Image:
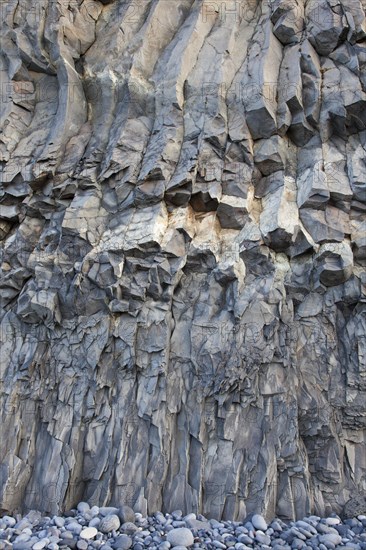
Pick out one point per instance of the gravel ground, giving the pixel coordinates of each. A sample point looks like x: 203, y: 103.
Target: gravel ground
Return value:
x: 109, y: 528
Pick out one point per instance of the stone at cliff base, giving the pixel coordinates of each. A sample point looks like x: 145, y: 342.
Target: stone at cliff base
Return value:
x: 180, y: 537
x: 355, y: 506
x: 259, y: 522
x: 109, y: 523
x: 126, y: 514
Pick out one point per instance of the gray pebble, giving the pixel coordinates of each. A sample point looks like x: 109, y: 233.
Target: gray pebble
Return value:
x: 245, y: 539
x: 126, y: 514
x: 83, y: 507
x: 179, y: 523
x: 298, y: 543
x: 106, y: 510
x: 94, y: 522
x: 180, y: 537
x: 332, y: 521
x: 324, y: 529
x: 259, y: 522
x: 58, y: 521
x: 21, y: 545
x: 330, y: 538
x: 109, y: 523
x: 74, y: 527
x: 123, y: 542
x: 263, y: 538
x: 40, y: 544
x: 24, y: 537
x: 10, y: 522
x: 218, y: 544
x: 129, y: 528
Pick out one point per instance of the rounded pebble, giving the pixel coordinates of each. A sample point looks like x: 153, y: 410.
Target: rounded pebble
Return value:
x: 109, y: 523
x: 259, y: 522
x: 83, y: 507
x: 180, y: 537
x: 88, y: 533
x: 122, y: 542
x: 129, y: 528
x: 126, y: 514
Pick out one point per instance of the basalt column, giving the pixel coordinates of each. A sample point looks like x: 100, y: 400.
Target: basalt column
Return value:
x: 183, y: 249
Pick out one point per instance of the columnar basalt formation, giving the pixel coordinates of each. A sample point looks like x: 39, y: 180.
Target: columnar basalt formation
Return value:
x: 183, y: 255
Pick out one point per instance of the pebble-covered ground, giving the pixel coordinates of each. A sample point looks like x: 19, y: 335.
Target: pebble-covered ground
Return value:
x: 108, y: 528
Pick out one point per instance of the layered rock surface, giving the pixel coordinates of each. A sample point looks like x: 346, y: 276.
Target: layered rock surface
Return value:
x: 183, y: 255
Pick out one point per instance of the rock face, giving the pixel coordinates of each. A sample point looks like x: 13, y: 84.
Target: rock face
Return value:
x: 183, y: 255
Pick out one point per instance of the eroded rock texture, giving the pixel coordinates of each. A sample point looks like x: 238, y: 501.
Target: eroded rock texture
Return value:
x: 183, y: 248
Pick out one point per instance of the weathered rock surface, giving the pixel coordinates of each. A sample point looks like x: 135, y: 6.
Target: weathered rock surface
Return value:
x: 182, y: 226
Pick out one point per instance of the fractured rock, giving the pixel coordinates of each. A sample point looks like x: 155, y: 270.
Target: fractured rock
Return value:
x: 182, y: 226
x: 334, y: 263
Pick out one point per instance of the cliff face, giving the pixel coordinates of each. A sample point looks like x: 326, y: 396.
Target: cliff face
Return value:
x: 183, y: 253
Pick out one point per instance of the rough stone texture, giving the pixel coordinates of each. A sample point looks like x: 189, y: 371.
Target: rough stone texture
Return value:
x: 183, y: 255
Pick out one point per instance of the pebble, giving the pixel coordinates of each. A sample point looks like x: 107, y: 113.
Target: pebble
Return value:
x: 218, y: 544
x: 66, y: 535
x: 129, y: 528
x: 106, y: 510
x: 58, y: 521
x: 263, y: 538
x: 83, y: 507
x: 24, y: 537
x: 88, y: 533
x: 109, y: 523
x: 245, y: 539
x: 180, y: 537
x: 74, y: 527
x: 94, y: 522
x: 330, y: 538
x: 122, y: 542
x: 126, y: 514
x: 324, y: 529
x: 332, y: 521
x: 10, y: 522
x: 259, y: 522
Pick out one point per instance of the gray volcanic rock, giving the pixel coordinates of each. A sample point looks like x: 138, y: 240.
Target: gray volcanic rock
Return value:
x: 182, y: 224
